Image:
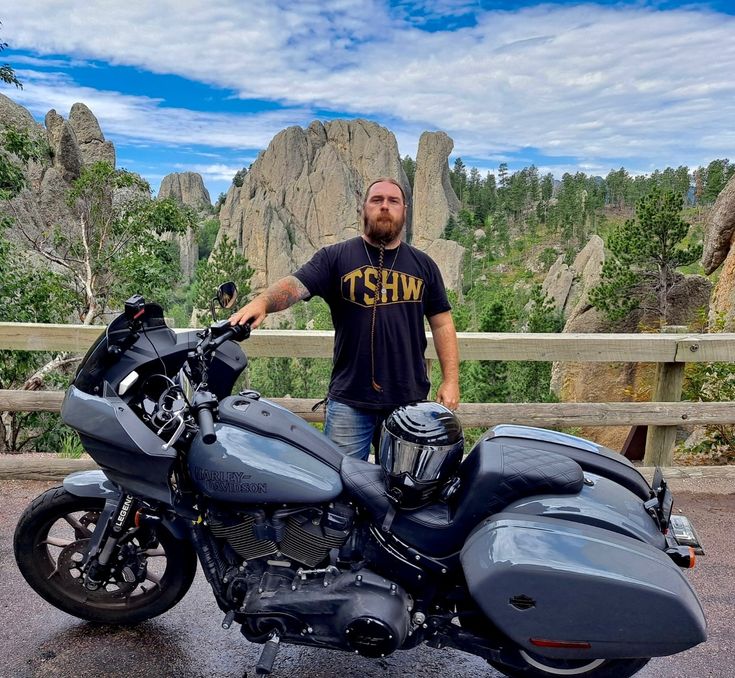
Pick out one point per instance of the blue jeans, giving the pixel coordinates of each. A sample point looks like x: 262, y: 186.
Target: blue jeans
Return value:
x: 352, y: 428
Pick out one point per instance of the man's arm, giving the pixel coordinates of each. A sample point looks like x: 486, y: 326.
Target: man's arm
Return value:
x: 445, y: 343
x: 279, y: 296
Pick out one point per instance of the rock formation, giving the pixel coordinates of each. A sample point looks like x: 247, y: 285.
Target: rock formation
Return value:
x: 65, y: 150
x: 568, y: 286
x: 14, y: 115
x: 187, y: 188
x: 305, y: 191
x: 42, y: 203
x: 92, y: 145
x: 434, y: 202
x: 718, y: 250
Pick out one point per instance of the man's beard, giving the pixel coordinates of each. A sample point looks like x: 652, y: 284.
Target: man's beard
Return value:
x: 383, y: 229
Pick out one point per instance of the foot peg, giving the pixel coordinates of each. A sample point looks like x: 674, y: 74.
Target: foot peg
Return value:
x: 268, y: 656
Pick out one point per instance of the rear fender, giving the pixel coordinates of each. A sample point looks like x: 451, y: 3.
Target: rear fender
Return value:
x: 601, y: 503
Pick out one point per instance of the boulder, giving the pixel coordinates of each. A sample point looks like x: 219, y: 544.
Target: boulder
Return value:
x: 568, y: 286
x: 14, y: 115
x: 448, y: 256
x: 92, y: 145
x: 557, y: 283
x: 719, y: 251
x: 720, y: 229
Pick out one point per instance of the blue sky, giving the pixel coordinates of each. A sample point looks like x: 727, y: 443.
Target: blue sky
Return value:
x: 204, y: 86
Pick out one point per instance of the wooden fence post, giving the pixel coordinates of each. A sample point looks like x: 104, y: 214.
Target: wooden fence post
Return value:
x: 667, y: 388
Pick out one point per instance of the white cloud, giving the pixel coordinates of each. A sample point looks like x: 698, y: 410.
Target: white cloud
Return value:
x: 142, y: 120
x: 598, y: 83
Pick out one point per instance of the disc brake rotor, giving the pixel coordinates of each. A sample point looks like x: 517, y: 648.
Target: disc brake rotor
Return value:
x: 69, y: 565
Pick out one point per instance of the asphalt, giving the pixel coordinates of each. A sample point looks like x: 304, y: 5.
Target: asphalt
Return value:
x: 188, y: 642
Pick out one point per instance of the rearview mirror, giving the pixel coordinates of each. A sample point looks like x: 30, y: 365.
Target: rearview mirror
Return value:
x: 227, y: 294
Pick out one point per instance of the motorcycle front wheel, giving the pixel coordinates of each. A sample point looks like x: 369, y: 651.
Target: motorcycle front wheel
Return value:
x: 51, y: 541
x: 528, y: 665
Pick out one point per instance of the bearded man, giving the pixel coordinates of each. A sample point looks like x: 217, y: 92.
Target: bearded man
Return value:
x: 378, y: 289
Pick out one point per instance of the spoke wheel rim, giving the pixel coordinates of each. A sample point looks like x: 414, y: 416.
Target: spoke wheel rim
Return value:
x: 62, y: 546
x: 557, y: 670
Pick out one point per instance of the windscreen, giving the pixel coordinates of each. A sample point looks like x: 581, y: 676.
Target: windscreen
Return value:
x: 109, y: 347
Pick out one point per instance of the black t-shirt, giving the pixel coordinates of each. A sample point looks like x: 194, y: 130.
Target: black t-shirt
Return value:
x: 345, y: 276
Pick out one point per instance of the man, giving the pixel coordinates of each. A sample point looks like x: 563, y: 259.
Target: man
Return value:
x: 379, y: 289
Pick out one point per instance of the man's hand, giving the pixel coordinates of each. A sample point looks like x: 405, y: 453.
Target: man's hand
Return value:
x: 254, y: 312
x: 448, y: 394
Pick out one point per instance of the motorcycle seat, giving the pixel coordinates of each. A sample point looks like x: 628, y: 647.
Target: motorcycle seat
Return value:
x: 490, y: 479
x: 590, y: 456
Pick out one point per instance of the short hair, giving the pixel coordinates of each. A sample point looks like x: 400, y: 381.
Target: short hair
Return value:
x: 388, y: 180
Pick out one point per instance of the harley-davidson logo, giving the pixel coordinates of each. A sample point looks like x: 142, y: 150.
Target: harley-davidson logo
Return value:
x: 231, y: 482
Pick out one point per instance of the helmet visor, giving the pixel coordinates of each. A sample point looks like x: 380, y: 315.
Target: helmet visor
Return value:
x: 420, y: 462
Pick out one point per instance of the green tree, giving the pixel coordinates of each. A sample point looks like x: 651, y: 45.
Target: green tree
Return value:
x: 458, y: 178
x: 715, y: 177
x: 644, y: 255
x: 239, y: 178
x: 113, y: 245
x: 409, y: 167
x: 7, y: 74
x: 207, y: 237
x: 226, y: 263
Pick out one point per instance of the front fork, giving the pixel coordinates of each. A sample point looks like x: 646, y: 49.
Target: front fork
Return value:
x: 114, y: 521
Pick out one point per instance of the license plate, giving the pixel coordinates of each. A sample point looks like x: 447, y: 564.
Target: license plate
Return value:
x: 685, y: 534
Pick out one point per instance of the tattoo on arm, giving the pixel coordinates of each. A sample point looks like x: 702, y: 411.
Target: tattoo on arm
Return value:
x: 284, y: 293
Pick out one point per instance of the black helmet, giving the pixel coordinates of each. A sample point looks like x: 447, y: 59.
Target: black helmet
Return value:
x: 421, y: 447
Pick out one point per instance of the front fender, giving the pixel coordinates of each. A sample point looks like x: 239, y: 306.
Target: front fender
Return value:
x: 91, y: 484
x: 97, y: 484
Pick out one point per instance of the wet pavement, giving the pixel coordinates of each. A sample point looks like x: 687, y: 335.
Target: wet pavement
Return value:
x: 188, y: 642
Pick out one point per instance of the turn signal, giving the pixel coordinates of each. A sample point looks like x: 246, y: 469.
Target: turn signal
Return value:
x: 683, y: 556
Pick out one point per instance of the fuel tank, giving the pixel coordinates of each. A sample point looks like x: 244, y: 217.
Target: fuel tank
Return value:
x: 254, y: 461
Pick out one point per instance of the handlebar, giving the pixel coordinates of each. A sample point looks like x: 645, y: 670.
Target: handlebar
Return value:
x: 222, y: 331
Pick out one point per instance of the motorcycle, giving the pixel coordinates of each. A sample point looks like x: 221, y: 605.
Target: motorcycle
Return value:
x: 541, y: 552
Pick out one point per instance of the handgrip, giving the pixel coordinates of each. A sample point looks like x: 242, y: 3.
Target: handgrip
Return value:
x: 205, y: 403
x: 206, y: 426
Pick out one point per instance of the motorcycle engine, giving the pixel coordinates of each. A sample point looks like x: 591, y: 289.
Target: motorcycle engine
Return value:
x: 305, y: 536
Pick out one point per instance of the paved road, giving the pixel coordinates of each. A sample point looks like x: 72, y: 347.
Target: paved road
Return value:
x: 187, y: 642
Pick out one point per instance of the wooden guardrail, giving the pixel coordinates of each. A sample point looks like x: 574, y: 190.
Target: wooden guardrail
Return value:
x: 670, y: 351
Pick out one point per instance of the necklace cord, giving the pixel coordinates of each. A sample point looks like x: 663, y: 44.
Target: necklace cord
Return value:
x: 378, y: 290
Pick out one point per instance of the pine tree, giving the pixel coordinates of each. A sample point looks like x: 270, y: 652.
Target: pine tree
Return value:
x: 644, y: 255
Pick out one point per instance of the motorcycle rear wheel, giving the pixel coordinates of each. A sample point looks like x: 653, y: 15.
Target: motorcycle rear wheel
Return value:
x: 51, y: 540
x: 536, y: 666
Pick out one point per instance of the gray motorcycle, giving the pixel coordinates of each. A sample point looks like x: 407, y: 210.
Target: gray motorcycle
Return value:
x: 541, y: 552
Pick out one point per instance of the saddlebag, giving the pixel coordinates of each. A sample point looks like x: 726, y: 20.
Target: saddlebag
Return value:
x: 576, y: 591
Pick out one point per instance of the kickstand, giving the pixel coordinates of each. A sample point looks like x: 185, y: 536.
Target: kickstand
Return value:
x: 268, y: 656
